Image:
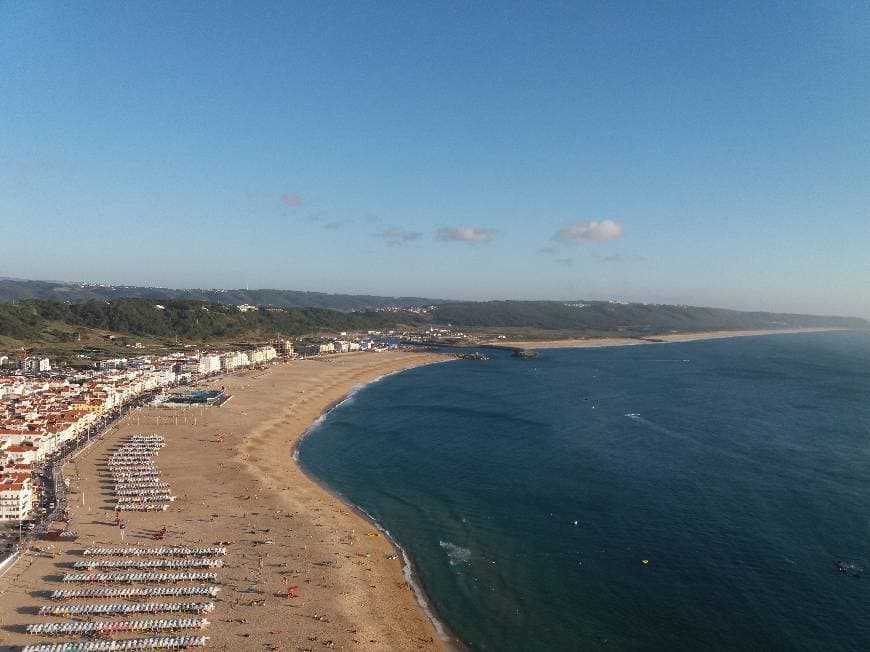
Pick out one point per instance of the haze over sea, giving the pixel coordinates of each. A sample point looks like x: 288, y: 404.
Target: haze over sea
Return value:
x: 528, y: 492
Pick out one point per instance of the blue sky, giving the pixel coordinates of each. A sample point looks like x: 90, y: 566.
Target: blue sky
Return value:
x: 686, y: 152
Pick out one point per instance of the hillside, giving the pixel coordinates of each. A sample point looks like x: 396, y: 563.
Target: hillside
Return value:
x: 59, y: 323
x: 602, y: 317
x: 25, y: 290
x: 192, y: 321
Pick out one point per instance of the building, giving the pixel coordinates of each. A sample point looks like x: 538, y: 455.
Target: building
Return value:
x: 307, y: 350
x: 234, y: 360
x: 20, y: 454
x: 114, y: 363
x: 262, y: 354
x: 269, y: 352
x: 209, y: 364
x: 16, y: 496
x: 35, y: 365
x: 284, y: 348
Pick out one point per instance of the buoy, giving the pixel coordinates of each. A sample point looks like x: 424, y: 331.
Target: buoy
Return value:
x: 576, y: 523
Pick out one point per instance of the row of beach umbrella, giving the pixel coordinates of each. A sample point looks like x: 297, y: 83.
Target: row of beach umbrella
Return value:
x: 144, y: 465
x: 125, y: 478
x: 150, y: 643
x: 126, y: 608
x: 139, y: 484
x: 157, y: 551
x: 143, y: 507
x: 145, y: 498
x: 142, y: 491
x: 159, y: 578
x: 108, y: 626
x: 91, y: 564
x: 137, y: 592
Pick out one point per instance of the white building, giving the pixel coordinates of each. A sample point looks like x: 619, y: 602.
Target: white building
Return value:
x: 209, y: 364
x: 16, y: 496
x: 234, y: 360
x: 20, y: 454
x: 262, y: 354
x: 35, y: 365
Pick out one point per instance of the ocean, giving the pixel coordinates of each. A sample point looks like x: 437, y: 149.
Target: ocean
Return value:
x: 683, y: 496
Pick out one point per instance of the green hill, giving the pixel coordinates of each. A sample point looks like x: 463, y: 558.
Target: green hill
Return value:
x: 25, y: 290
x: 36, y: 321
x: 631, y: 318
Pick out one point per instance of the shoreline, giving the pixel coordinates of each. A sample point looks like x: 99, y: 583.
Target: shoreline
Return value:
x: 652, y: 339
x: 452, y: 642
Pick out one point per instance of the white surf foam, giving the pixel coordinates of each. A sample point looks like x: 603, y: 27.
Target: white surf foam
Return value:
x: 456, y: 554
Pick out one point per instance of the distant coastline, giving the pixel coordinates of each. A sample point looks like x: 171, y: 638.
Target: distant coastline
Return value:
x: 652, y: 339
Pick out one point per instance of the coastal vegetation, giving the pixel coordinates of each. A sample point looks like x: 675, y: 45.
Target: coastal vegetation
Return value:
x: 111, y: 325
x: 187, y: 319
x: 609, y: 317
x: 27, y: 290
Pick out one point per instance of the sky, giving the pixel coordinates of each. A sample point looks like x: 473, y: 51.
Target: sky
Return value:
x: 706, y: 153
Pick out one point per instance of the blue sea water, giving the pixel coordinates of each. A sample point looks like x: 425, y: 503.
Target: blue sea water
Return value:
x: 529, y: 492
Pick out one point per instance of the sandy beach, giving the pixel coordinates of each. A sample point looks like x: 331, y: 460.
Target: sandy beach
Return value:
x: 653, y: 339
x: 232, y: 471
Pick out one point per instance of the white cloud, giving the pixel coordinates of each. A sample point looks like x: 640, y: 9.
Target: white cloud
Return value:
x: 464, y: 234
x: 395, y: 236
x: 617, y: 258
x: 594, y: 231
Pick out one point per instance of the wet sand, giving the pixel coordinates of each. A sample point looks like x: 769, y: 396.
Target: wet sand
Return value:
x: 285, y: 529
x: 652, y: 339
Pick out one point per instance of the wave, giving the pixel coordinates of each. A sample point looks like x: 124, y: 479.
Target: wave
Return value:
x: 456, y: 554
x: 344, y: 400
x: 408, y: 572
